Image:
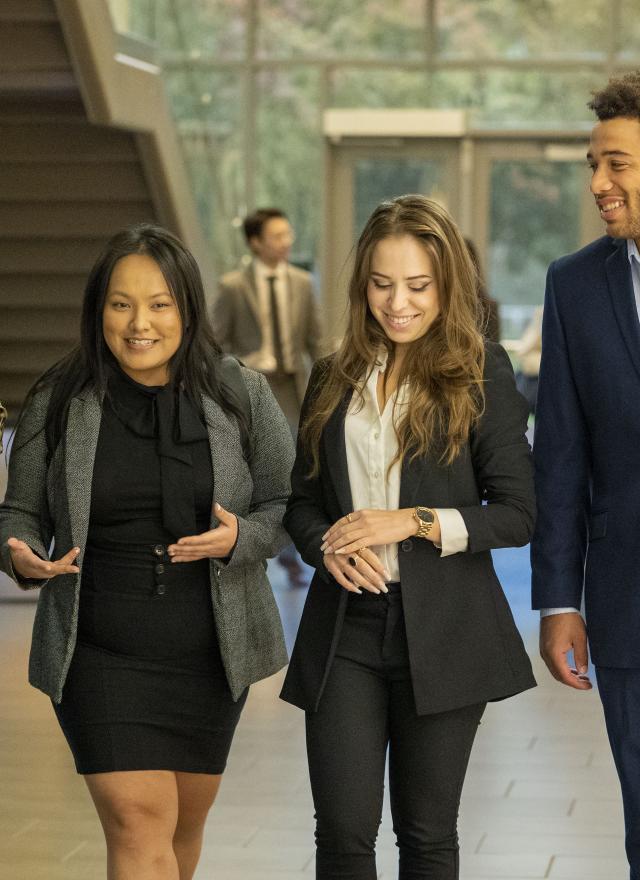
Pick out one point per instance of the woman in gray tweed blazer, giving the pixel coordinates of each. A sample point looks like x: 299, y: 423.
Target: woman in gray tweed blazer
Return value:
x: 147, y: 483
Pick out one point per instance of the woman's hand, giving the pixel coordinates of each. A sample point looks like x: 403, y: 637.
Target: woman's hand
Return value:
x: 372, y: 528
x: 367, y: 573
x: 216, y: 543
x: 31, y: 567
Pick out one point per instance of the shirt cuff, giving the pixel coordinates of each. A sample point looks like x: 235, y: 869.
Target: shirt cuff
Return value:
x: 454, y: 537
x: 547, y: 612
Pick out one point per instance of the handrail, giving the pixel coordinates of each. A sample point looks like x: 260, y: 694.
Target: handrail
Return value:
x: 125, y: 92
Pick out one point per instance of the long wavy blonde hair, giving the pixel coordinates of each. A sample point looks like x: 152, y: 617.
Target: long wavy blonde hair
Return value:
x: 443, y: 368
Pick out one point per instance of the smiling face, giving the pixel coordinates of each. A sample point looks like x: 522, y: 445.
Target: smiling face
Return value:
x: 140, y: 320
x: 614, y: 158
x: 402, y: 292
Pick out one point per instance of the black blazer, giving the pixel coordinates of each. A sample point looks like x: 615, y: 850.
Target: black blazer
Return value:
x: 464, y: 647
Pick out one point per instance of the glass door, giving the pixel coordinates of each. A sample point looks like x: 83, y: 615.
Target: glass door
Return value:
x: 360, y: 176
x: 532, y: 204
x: 524, y: 201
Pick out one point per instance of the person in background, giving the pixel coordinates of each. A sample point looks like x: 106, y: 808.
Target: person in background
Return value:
x: 267, y: 315
x: 406, y: 633
x: 490, y: 306
x: 160, y: 471
x: 529, y: 352
x: 587, y: 437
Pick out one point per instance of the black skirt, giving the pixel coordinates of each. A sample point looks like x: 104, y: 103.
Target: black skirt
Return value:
x: 146, y: 689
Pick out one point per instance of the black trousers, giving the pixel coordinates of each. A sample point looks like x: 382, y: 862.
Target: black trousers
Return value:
x: 620, y: 695
x: 368, y: 706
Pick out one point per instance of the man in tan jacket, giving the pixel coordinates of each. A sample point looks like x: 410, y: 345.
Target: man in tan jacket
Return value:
x: 267, y: 314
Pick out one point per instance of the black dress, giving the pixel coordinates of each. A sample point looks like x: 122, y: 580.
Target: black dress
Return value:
x: 146, y: 689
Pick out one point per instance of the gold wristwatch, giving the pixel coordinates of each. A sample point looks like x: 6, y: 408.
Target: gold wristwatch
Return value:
x: 425, y: 517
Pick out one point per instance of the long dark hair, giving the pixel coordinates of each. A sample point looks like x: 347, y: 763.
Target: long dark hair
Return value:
x: 193, y: 366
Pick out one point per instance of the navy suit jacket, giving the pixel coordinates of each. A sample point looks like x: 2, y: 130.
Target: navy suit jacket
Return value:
x: 587, y: 450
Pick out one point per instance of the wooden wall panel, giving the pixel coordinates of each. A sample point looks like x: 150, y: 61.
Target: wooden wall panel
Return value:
x: 43, y: 324
x: 38, y: 257
x: 28, y: 10
x: 41, y: 356
x: 60, y: 221
x: 36, y: 291
x: 32, y: 46
x: 67, y: 141
x: 70, y: 182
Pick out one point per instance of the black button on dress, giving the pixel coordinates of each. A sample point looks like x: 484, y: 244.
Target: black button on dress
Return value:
x: 146, y: 688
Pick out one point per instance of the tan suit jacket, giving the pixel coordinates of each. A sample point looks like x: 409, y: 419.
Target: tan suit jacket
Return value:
x: 236, y: 320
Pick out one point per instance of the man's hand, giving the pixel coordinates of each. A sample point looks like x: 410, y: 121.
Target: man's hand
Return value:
x: 559, y: 634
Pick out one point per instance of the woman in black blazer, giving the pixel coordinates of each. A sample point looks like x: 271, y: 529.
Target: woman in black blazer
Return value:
x: 406, y: 633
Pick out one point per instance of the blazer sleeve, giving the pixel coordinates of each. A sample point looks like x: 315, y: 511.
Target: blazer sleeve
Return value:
x: 260, y: 533
x: 562, y: 456
x: 502, y: 465
x: 24, y: 513
x: 306, y: 519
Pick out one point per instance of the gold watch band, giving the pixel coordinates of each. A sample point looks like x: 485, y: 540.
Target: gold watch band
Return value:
x: 424, y: 528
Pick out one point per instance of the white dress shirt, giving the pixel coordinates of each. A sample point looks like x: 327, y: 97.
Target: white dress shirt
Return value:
x: 265, y: 359
x: 371, y: 447
x: 634, y: 261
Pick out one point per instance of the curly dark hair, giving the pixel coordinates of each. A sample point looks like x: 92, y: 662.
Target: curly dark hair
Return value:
x: 620, y: 97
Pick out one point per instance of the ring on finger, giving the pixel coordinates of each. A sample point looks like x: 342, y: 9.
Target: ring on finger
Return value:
x: 349, y: 515
x: 353, y: 560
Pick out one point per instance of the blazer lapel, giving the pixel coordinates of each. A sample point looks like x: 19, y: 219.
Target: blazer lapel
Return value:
x: 335, y: 447
x: 624, y: 305
x: 81, y: 440
x: 224, y: 442
x: 250, y: 291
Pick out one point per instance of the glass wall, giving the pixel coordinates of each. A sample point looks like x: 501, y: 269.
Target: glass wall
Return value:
x: 249, y: 80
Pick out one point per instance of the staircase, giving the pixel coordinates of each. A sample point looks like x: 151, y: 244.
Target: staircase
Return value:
x: 87, y: 146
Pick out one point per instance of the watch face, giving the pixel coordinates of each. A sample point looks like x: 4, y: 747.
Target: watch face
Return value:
x: 425, y: 514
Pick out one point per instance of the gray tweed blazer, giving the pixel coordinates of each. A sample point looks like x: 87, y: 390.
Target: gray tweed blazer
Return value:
x: 52, y: 504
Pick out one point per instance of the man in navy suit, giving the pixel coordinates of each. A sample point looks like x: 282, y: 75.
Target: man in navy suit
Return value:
x: 587, y: 449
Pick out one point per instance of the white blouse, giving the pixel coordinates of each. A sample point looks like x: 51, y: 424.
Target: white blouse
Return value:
x: 371, y: 446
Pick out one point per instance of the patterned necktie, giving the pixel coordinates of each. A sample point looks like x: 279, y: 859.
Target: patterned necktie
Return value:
x: 275, y: 324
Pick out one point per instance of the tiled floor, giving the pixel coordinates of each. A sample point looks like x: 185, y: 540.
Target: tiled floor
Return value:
x: 541, y: 797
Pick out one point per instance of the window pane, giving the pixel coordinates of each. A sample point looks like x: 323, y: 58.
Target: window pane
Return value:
x: 378, y: 179
x: 522, y: 28
x: 379, y: 88
x: 201, y: 28
x: 535, y: 218
x: 136, y: 18
x: 289, y: 153
x: 518, y: 99
x: 207, y: 110
x: 629, y: 36
x: 353, y: 28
